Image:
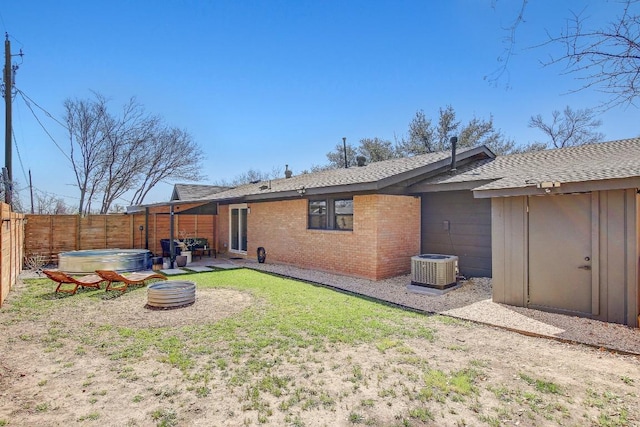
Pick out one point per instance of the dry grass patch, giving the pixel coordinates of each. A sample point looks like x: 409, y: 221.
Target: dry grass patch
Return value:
x: 260, y: 350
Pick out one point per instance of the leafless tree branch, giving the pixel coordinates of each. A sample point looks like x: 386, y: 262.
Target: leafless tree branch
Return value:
x: 569, y: 128
x: 131, y: 151
x: 606, y: 59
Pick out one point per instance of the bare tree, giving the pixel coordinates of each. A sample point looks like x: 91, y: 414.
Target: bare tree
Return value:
x: 170, y: 154
x: 252, y: 175
x: 132, y: 151
x: 527, y: 148
x: 126, y: 138
x: 316, y: 168
x: 607, y: 58
x: 509, y: 41
x: 16, y: 201
x: 569, y: 128
x: 51, y: 205
x: 84, y: 119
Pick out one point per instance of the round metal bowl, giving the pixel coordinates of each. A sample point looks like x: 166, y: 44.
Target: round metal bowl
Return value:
x: 171, y: 294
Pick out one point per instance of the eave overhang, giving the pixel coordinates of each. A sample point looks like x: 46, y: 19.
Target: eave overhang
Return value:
x: 562, y: 188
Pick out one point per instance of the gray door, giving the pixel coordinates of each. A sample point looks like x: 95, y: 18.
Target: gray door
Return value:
x: 454, y: 223
x: 560, y: 252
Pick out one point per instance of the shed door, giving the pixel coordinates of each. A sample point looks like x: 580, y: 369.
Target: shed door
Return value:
x: 560, y: 252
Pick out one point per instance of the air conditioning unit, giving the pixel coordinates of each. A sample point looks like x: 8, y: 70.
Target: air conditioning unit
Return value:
x: 434, y: 270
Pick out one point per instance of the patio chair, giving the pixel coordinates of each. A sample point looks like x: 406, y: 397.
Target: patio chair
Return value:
x: 111, y: 276
x: 61, y: 278
x: 165, y: 244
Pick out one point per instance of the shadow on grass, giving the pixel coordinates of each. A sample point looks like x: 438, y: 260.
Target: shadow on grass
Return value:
x: 100, y: 294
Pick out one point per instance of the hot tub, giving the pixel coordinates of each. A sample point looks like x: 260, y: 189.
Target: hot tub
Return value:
x: 120, y: 260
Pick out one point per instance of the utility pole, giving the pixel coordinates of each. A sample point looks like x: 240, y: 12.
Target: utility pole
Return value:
x: 31, y: 190
x: 8, y: 83
x: 8, y: 76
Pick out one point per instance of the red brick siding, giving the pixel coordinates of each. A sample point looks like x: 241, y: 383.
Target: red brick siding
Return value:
x: 223, y: 229
x: 398, y: 234
x: 386, y: 234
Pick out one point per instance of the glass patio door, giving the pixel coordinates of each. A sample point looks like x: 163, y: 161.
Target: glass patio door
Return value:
x: 238, y: 228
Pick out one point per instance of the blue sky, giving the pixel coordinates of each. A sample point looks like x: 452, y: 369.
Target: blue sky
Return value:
x: 261, y: 84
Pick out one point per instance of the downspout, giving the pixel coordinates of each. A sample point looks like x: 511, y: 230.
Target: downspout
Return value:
x: 146, y: 227
x: 172, y: 245
x: 217, y: 224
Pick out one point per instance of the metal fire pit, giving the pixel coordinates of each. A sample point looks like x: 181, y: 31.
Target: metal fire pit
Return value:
x: 171, y: 294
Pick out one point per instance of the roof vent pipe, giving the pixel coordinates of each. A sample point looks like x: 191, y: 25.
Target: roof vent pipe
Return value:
x: 361, y: 160
x: 344, y: 146
x: 454, y: 143
x: 287, y: 172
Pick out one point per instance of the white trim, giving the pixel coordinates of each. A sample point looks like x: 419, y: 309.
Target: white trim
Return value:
x: 240, y: 236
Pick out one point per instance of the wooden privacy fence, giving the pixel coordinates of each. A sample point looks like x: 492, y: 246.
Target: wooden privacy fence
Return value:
x: 11, y: 249
x: 48, y: 235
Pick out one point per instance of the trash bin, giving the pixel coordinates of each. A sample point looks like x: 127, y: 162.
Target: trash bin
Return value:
x: 262, y: 255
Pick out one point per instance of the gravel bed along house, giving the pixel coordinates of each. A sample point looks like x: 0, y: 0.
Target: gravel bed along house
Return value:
x: 472, y: 301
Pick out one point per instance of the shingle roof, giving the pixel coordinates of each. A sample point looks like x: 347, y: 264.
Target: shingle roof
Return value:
x: 195, y: 191
x: 373, y: 176
x: 592, y: 162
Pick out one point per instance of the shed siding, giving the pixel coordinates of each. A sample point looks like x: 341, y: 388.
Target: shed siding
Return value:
x: 616, y: 271
x: 632, y: 261
x: 509, y: 225
x: 612, y: 260
x: 469, y: 234
x: 633, y: 258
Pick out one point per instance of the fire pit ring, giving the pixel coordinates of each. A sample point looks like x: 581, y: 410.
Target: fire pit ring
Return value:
x: 171, y: 294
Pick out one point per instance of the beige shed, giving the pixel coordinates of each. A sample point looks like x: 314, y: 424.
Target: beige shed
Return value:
x: 566, y: 231
x: 565, y: 228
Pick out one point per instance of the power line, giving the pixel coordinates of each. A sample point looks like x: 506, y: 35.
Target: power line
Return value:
x: 42, y: 125
x: 24, y: 95
x: 29, y: 101
x: 15, y: 142
x: 49, y: 193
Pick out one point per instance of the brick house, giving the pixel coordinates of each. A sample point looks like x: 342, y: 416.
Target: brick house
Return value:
x: 557, y: 230
x: 362, y: 221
